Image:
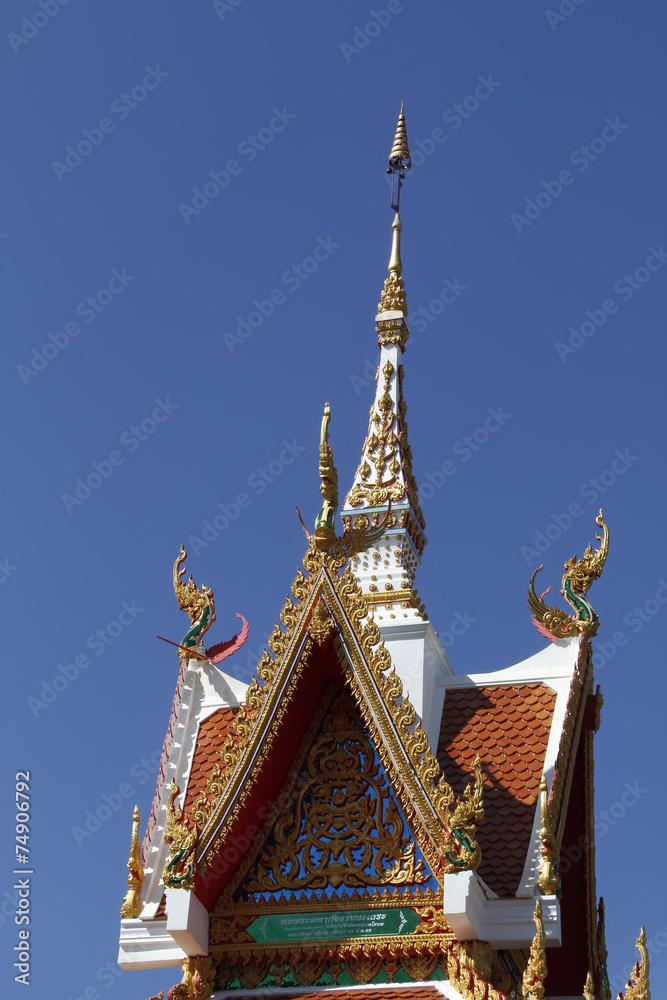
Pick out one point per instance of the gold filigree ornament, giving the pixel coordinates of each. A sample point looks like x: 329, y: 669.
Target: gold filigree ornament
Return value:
x: 589, y: 989
x: 460, y: 819
x: 131, y: 907
x: 179, y: 871
x: 198, y: 979
x: 638, y: 987
x: 579, y: 574
x: 548, y: 880
x: 342, y: 827
x: 536, y: 970
x: 199, y: 606
x: 467, y: 981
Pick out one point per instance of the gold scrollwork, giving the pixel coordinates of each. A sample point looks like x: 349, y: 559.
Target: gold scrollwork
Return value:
x: 198, y: 979
x: 460, y: 818
x: 180, y: 869
x: 548, y: 879
x: 342, y: 827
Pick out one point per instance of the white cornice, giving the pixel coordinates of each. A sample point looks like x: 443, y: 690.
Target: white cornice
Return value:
x: 474, y: 915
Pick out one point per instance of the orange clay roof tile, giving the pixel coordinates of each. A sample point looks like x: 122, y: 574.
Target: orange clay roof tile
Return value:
x: 212, y: 735
x: 509, y: 727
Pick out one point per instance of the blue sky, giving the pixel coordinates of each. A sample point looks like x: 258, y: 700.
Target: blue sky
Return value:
x: 540, y: 199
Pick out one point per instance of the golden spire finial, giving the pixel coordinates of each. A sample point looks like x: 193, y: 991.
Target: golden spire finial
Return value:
x: 399, y: 159
x: 132, y: 902
x: 536, y: 970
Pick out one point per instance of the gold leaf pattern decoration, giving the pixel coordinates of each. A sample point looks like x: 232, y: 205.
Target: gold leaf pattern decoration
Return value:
x: 342, y: 825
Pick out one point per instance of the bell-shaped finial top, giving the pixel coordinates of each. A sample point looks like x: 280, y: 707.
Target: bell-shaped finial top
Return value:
x: 399, y: 157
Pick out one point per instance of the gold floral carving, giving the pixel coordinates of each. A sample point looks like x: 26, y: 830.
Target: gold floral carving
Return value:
x: 342, y: 827
x: 321, y: 624
x: 589, y: 989
x: 132, y: 902
x: 536, y: 970
x: 475, y: 955
x: 179, y: 871
x: 578, y: 576
x: 467, y: 981
x: 638, y: 987
x: 201, y: 810
x: 198, y: 979
x: 548, y: 879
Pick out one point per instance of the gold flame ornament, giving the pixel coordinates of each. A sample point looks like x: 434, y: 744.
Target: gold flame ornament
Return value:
x: 579, y: 574
x: 536, y: 970
x: 638, y: 987
x: 131, y: 907
x: 548, y: 881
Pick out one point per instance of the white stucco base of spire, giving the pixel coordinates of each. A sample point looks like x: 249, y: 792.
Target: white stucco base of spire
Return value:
x: 422, y: 665
x: 475, y: 914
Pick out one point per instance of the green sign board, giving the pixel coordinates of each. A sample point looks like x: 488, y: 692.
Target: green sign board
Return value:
x: 324, y: 926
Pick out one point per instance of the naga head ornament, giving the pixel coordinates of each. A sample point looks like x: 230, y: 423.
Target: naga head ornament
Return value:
x: 579, y: 574
x: 198, y: 604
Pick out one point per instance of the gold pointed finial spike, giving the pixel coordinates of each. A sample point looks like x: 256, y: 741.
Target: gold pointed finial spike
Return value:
x: 638, y: 987
x: 395, y: 264
x: 131, y: 907
x: 400, y: 153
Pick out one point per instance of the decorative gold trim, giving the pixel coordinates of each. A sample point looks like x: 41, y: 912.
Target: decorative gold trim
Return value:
x: 536, y: 970
x: 198, y: 979
x: 548, y: 880
x: 179, y: 871
x: 425, y: 797
x: 577, y: 578
x: 589, y: 990
x: 467, y: 981
x: 131, y: 907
